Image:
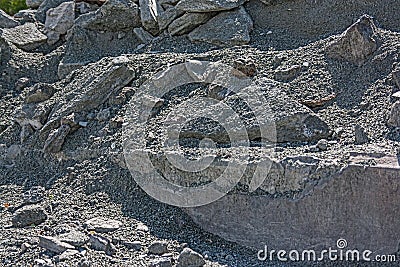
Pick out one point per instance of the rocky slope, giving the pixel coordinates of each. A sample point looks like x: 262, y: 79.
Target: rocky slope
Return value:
x: 73, y: 74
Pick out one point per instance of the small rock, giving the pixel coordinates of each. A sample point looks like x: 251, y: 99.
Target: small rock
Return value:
x: 322, y: 144
x: 188, y: 22
x: 24, y: 247
x: 59, y: 20
x: 84, y: 263
x: 188, y: 257
x: 21, y: 83
x: 287, y: 74
x: 103, y: 225
x: 28, y: 215
x: 6, y: 21
x: 83, y: 123
x: 27, y: 36
x: 56, y: 139
x: 33, y: 3
x: 394, y: 116
x: 158, y: 248
x: 142, y: 227
x: 135, y: 245
x: 361, y: 136
x: 357, y: 43
x: 74, y: 238
x: 44, y: 263
x: 161, y: 262
x: 26, y: 131
x: 228, y: 28
x: 396, y: 95
x: 244, y: 67
x: 102, y: 244
x: 68, y: 254
x: 103, y: 115
x: 54, y: 244
x: 208, y: 5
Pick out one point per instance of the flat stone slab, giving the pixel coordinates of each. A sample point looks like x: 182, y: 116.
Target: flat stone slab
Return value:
x: 27, y: 36
x: 103, y: 225
x: 361, y: 205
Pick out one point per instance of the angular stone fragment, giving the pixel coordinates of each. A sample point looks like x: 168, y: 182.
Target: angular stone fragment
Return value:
x: 59, y: 20
x: 56, y: 139
x: 357, y: 43
x: 168, y: 16
x: 54, y: 244
x: 143, y: 35
x: 149, y: 12
x: 27, y: 36
x: 102, y: 244
x: 28, y: 215
x: 188, y: 22
x: 208, y: 5
x: 188, y: 257
x: 394, y: 116
x: 158, y: 248
x: 6, y: 21
x: 228, y: 28
x: 360, y: 136
x: 74, y: 238
x: 103, y: 225
x: 45, y: 6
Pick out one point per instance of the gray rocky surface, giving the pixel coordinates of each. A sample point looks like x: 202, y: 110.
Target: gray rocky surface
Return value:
x: 226, y: 29
x: 6, y: 21
x: 26, y: 37
x: 323, y: 180
x: 208, y: 5
x: 59, y: 20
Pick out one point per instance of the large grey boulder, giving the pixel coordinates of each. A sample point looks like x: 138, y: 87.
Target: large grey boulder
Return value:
x: 208, y: 5
x: 188, y: 22
x: 59, y: 20
x: 26, y: 36
x: 7, y: 21
x: 109, y: 31
x: 357, y: 43
x: 225, y: 29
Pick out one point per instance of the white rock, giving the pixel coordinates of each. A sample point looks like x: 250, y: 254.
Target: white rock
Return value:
x: 103, y: 225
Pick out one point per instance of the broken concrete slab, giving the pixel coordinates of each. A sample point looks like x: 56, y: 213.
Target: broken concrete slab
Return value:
x: 357, y: 43
x: 347, y: 205
x: 26, y: 36
x: 228, y: 28
x: 208, y: 5
x: 188, y: 22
